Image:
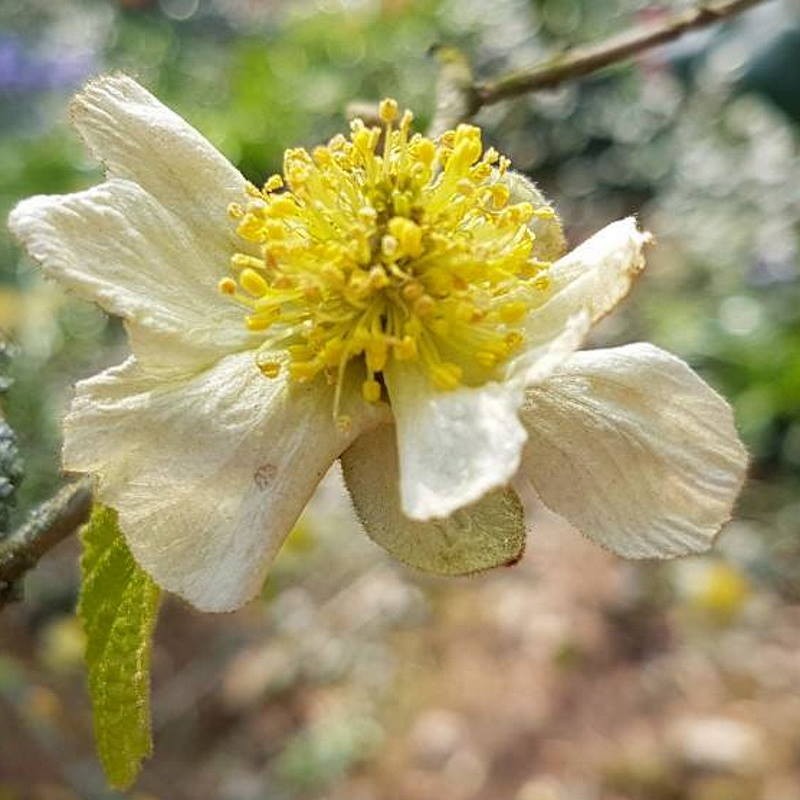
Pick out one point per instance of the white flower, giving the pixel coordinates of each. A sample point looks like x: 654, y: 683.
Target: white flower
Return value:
x: 402, y: 313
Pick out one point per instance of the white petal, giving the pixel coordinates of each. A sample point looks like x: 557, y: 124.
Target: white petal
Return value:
x: 589, y: 280
x: 453, y: 446
x: 209, y: 475
x: 540, y: 362
x: 115, y: 244
x: 635, y: 450
x: 139, y: 138
x: 488, y: 533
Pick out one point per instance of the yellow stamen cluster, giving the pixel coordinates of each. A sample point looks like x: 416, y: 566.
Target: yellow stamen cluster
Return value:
x: 388, y: 245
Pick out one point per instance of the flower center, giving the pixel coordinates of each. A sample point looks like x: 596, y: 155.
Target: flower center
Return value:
x: 388, y: 246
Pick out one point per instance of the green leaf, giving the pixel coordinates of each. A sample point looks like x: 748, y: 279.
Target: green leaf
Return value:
x: 486, y: 534
x: 118, y: 607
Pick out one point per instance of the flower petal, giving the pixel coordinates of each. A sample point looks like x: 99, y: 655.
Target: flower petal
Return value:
x: 139, y: 138
x: 453, y: 446
x: 589, y: 280
x: 488, y: 533
x: 208, y: 475
x: 635, y: 450
x: 115, y: 244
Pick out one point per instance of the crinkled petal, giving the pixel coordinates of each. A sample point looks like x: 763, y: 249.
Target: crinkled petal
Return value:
x: 208, y: 475
x: 485, y: 534
x: 589, y: 280
x: 137, y: 137
x: 116, y: 245
x: 635, y: 450
x: 453, y: 446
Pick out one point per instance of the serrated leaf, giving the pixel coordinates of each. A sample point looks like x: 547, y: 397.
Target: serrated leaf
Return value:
x: 118, y: 607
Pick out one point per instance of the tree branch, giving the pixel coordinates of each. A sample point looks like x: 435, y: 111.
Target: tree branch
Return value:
x: 585, y: 60
x: 53, y: 521
x: 458, y: 97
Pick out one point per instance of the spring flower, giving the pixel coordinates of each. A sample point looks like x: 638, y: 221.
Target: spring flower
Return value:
x: 402, y: 303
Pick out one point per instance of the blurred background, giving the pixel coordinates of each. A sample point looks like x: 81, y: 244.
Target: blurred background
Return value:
x: 572, y: 676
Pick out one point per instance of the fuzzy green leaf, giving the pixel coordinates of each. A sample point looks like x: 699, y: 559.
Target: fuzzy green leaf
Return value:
x: 118, y: 607
x: 486, y: 534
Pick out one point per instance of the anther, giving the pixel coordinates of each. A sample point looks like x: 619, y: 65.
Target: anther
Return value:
x: 378, y: 278
x: 424, y: 305
x: 387, y: 110
x: 401, y: 203
x: 424, y: 150
x: 272, y: 183
x: 258, y: 322
x: 413, y: 290
x: 514, y: 339
x: 270, y: 369
x: 239, y: 261
x: 227, y: 286
x: 446, y: 376
x: 500, y: 195
x: 253, y: 283
x: 371, y: 391
x: 322, y: 156
x: 408, y: 236
x: 512, y: 312
x: 466, y: 187
x: 405, y: 349
x: 303, y: 371
x: 389, y: 246
x: 406, y: 120
x: 377, y: 353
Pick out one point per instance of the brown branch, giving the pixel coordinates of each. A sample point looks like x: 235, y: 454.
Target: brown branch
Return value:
x: 50, y: 523
x: 459, y: 97
x: 585, y: 60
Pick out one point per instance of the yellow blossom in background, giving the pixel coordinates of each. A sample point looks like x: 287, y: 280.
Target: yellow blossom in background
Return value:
x: 714, y: 591
x: 405, y: 304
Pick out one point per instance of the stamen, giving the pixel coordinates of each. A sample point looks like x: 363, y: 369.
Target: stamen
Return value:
x: 270, y: 369
x: 227, y: 286
x: 414, y: 252
x: 371, y: 390
x: 387, y: 110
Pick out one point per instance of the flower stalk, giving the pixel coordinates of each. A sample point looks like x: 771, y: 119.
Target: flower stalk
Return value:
x: 50, y: 523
